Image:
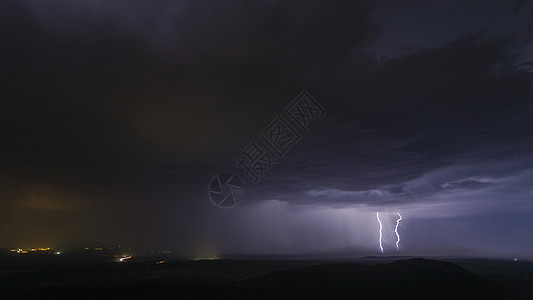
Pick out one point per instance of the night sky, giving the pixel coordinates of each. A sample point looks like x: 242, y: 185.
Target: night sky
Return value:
x: 117, y: 114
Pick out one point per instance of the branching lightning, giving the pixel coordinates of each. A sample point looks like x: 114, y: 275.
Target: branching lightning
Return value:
x: 380, y: 232
x: 396, y: 231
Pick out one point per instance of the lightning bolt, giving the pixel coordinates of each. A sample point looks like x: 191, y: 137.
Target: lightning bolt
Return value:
x: 396, y: 231
x: 380, y: 232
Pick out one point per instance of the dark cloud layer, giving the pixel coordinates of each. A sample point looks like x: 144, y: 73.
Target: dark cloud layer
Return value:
x: 116, y: 115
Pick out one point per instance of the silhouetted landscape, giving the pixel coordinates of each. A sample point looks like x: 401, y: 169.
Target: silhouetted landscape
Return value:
x: 365, y: 278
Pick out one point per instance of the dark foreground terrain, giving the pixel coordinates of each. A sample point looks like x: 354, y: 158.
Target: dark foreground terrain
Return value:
x: 415, y: 278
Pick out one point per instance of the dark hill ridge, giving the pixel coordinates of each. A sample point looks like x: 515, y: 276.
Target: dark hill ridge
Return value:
x: 257, y: 279
x: 414, y: 279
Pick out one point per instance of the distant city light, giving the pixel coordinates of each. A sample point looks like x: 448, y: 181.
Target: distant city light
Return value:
x: 28, y: 250
x: 205, y: 258
x: 125, y: 258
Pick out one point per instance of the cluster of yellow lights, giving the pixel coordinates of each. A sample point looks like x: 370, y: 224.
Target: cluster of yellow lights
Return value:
x: 105, y: 248
x: 24, y: 251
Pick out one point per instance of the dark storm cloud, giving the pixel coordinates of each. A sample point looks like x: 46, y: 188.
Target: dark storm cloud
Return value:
x: 415, y: 25
x: 458, y: 105
x: 520, y: 4
x: 143, y: 98
x: 135, y: 106
x: 109, y: 55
